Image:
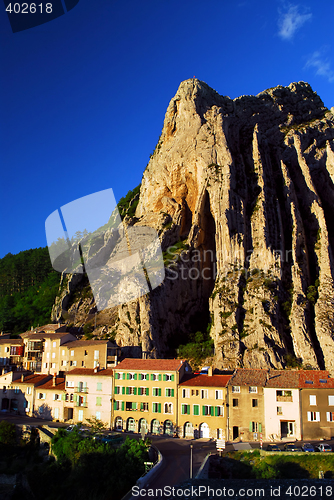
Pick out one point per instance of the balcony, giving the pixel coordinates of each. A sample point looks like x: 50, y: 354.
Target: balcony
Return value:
x: 284, y: 398
x: 81, y: 389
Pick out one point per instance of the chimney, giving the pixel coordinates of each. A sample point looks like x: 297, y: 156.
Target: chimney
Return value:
x: 22, y: 378
x: 54, y: 380
x: 210, y: 371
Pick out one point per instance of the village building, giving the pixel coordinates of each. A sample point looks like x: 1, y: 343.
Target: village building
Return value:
x: 282, y: 405
x: 317, y: 404
x: 89, y: 395
x: 145, y: 395
x: 11, y: 354
x: 17, y: 391
x: 90, y: 354
x: 245, y: 418
x: 202, y: 407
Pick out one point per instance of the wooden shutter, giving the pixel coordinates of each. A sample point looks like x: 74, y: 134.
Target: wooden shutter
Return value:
x: 147, y: 390
x: 128, y: 376
x: 115, y: 405
x: 159, y: 392
x: 172, y: 377
x: 160, y: 377
x: 134, y: 406
x: 152, y: 376
x: 212, y: 410
x: 123, y: 389
x: 172, y: 393
x: 260, y: 427
x: 164, y: 377
x: 216, y: 411
x: 128, y: 390
x: 203, y: 410
x: 188, y: 409
x: 135, y: 376
x: 250, y: 426
x: 159, y: 407
x: 135, y: 391
x: 123, y: 404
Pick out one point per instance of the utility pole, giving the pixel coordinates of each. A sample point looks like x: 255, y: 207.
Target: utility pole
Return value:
x: 191, y: 461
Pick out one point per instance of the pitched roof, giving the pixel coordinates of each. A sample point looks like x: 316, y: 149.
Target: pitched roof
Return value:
x: 243, y: 376
x: 50, y: 327
x: 60, y: 384
x: 42, y: 335
x: 150, y: 364
x: 283, y: 378
x: 11, y: 341
x: 90, y: 371
x: 85, y: 343
x: 33, y: 379
x: 205, y: 380
x: 315, y: 376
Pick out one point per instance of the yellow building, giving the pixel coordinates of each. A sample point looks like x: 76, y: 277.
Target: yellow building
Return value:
x: 202, y: 406
x: 145, y: 394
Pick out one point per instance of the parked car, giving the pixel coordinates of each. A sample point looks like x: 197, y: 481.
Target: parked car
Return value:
x: 323, y: 447
x: 290, y: 447
x: 273, y: 447
x: 307, y: 447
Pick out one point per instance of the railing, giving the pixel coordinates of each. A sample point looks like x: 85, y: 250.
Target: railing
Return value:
x: 284, y: 398
x: 81, y: 389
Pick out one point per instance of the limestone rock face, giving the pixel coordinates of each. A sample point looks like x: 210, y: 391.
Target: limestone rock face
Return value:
x: 243, y: 192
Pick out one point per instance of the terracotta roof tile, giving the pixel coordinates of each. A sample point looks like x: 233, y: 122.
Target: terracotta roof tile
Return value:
x: 205, y: 380
x: 90, y: 371
x: 150, y: 364
x: 47, y: 335
x: 33, y: 379
x: 60, y: 384
x: 11, y: 341
x: 314, y: 376
x: 283, y: 378
x: 244, y: 376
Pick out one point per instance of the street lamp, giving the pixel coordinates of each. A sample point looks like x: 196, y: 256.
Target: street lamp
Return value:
x: 191, y: 461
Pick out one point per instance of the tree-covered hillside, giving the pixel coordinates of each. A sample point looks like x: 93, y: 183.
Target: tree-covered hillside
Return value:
x: 28, y: 287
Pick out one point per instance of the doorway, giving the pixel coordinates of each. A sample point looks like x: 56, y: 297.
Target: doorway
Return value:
x: 235, y: 432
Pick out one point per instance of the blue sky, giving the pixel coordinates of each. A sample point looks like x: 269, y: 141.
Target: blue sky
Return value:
x: 83, y: 97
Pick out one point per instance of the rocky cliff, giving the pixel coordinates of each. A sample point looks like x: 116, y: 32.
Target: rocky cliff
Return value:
x: 241, y: 193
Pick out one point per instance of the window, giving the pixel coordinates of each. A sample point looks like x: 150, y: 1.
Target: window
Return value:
x: 69, y: 383
x: 235, y: 403
x: 28, y: 390
x: 168, y: 408
x: 204, y: 394
x: 255, y: 403
x: 219, y: 394
x: 63, y: 352
x: 169, y: 393
x: 279, y: 410
x: 185, y: 393
x: 309, y: 382
x: 235, y: 388
x: 99, y: 401
x: 313, y: 416
x: 117, y: 389
x: 47, y: 355
x: 41, y: 395
x: 16, y: 390
x: 72, y: 353
x: 56, y: 397
x: 6, y: 349
x: 145, y: 406
x: 54, y: 344
x: 53, y: 365
x: 56, y: 413
x: 71, y: 398
x: 195, y: 409
x: 252, y: 389
x: 208, y: 410
x: 96, y: 354
x: 313, y: 400
x: 131, y: 390
x: 4, y: 390
x: 53, y: 355
x: 156, y: 391
x: 66, y: 397
x: 98, y: 415
x: 45, y: 365
x: 254, y: 427
x: 195, y: 392
x: 131, y: 376
x: 156, y: 407
x: 219, y: 411
x: 330, y: 400
x: 99, y: 386
x: 185, y: 409
x: 80, y: 415
x: 143, y: 391
x: 74, y: 363
x: 143, y: 376
x: 330, y: 416
x: 323, y: 381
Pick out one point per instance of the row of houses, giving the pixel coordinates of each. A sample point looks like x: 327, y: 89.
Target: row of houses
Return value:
x: 51, y: 349
x: 164, y: 396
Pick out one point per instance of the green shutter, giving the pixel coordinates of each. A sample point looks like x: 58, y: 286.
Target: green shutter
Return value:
x: 75, y: 398
x: 216, y: 411
x: 212, y: 410
x: 203, y: 410
x: 196, y: 409
x: 172, y: 378
x: 147, y: 390
x: 260, y: 427
x: 148, y: 377
x: 135, y: 376
x: 160, y: 377
x: 172, y: 393
x: 188, y: 409
x: 134, y: 406
x: 159, y: 392
x: 115, y: 405
x: 250, y: 426
x: 164, y: 377
x: 84, y: 400
x: 152, y: 376
x: 128, y: 376
x: 63, y: 397
x: 123, y: 390
x: 135, y: 391
x: 128, y: 390
x: 159, y: 407
x: 123, y: 405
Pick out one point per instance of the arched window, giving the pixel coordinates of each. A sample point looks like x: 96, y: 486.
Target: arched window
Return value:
x: 168, y: 408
